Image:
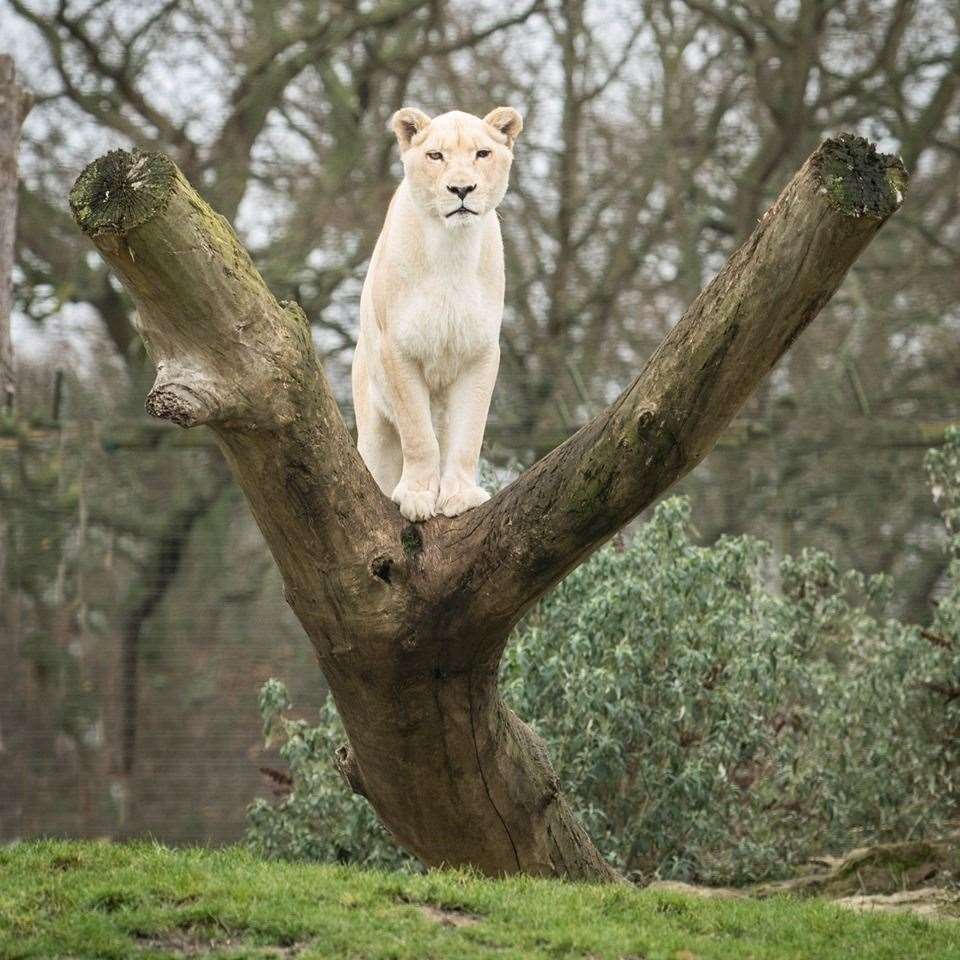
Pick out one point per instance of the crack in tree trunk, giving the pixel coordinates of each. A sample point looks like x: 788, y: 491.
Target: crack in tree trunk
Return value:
x: 483, y: 777
x: 410, y: 621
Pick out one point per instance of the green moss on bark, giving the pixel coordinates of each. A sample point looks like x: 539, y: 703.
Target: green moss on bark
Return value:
x: 120, y: 191
x: 412, y: 541
x: 858, y: 180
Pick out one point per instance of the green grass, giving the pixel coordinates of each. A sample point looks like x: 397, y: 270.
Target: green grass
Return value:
x: 70, y: 900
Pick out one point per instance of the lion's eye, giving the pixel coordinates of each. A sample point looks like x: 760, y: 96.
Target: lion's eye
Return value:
x: 435, y: 155
x: 482, y: 153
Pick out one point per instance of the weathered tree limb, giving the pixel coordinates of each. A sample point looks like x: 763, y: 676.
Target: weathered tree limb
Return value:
x: 230, y: 356
x: 15, y: 103
x: 409, y: 621
x: 671, y: 416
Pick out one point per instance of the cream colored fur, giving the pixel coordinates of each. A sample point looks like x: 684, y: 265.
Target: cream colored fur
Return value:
x: 428, y: 351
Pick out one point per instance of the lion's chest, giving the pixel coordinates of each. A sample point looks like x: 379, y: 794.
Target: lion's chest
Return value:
x: 444, y: 325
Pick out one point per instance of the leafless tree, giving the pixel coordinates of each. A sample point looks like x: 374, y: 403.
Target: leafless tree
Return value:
x: 15, y: 103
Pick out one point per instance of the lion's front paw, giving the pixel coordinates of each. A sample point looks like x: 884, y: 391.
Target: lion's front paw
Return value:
x: 455, y: 501
x: 416, y: 503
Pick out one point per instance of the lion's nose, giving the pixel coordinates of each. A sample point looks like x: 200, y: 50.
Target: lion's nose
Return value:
x: 461, y: 192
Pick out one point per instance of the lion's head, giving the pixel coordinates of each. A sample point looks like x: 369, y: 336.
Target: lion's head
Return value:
x: 457, y: 165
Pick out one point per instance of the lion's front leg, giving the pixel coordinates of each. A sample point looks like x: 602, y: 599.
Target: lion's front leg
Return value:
x: 416, y: 493
x: 468, y: 402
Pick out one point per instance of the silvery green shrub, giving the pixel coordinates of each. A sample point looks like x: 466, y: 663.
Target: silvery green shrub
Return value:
x: 712, y: 729
x: 707, y: 725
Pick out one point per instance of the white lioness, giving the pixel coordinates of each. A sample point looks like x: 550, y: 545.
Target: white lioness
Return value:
x: 430, y: 312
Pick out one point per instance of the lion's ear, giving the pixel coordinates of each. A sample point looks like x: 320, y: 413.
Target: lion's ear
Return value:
x: 406, y: 123
x: 507, y: 121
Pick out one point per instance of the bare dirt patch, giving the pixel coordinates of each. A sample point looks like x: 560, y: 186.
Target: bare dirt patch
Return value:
x: 449, y: 916
x: 195, y: 943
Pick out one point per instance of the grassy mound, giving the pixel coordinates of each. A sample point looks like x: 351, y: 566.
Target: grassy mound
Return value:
x: 68, y: 899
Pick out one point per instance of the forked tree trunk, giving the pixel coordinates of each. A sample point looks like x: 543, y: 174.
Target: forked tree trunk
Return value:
x: 15, y: 102
x: 409, y: 621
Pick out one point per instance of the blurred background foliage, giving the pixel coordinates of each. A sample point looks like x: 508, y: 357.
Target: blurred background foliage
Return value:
x: 140, y: 611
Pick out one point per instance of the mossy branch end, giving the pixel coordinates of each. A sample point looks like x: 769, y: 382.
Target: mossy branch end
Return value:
x: 121, y: 190
x: 410, y: 648
x: 859, y: 180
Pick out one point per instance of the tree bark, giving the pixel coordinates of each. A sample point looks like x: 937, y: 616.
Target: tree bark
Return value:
x: 15, y: 103
x: 409, y: 621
